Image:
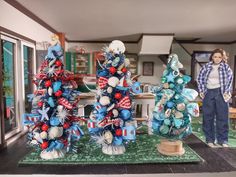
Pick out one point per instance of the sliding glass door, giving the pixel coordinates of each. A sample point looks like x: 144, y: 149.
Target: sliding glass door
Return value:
x: 28, y: 68
x: 18, y: 68
x: 9, y: 55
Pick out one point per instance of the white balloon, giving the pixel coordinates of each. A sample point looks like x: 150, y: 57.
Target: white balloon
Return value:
x: 113, y: 81
x: 105, y: 100
x: 180, y: 106
x: 55, y: 132
x: 59, y: 108
x: 43, y: 135
x: 108, y: 137
x: 117, y: 47
x: 115, y: 112
x: 109, y: 90
x: 54, y: 154
x: 50, y: 91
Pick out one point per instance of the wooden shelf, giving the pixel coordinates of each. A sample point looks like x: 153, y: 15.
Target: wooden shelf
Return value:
x: 84, y: 60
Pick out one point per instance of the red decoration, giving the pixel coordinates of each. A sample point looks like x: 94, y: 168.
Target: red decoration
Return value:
x: 58, y: 63
x: 59, y: 71
x: 66, y: 125
x: 118, y: 132
x: 125, y: 83
x: 125, y: 103
x: 102, y: 82
x: 124, y: 70
x: 112, y: 70
x: 44, y: 145
x: 48, y: 83
x: 118, y: 96
x: 65, y: 103
x: 40, y: 104
x: 109, y: 113
x: 58, y: 93
x: 44, y: 127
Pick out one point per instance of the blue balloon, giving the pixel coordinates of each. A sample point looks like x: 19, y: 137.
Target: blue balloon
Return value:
x: 51, y: 102
x: 136, y: 88
x: 178, y: 122
x: 167, y: 122
x: 186, y: 79
x: 54, y: 121
x: 117, y: 140
x: 103, y: 73
x: 156, y: 125
x: 125, y: 114
x: 170, y: 104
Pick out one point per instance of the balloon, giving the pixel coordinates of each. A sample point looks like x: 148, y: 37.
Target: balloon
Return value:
x: 125, y: 114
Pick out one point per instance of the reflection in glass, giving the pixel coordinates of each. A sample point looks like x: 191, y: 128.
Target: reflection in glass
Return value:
x: 8, y: 85
x: 28, y: 58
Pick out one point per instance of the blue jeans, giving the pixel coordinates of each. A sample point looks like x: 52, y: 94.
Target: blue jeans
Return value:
x: 215, y: 117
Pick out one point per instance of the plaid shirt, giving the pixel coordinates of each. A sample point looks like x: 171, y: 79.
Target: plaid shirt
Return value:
x: 225, y: 73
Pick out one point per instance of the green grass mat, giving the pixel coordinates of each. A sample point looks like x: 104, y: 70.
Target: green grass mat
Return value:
x: 197, y: 130
x: 142, y: 151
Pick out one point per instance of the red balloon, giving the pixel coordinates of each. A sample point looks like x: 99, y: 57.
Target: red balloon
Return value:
x: 58, y: 63
x: 44, y: 145
x: 44, y: 127
x: 112, y: 70
x: 66, y: 125
x: 48, y: 83
x: 40, y: 104
x: 124, y: 70
x: 58, y: 93
x: 118, y: 96
x: 118, y: 132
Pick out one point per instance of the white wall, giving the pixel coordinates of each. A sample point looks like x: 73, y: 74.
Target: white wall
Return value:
x: 158, y: 69
x: 16, y: 21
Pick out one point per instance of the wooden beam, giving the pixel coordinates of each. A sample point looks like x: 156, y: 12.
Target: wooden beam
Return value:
x: 62, y: 39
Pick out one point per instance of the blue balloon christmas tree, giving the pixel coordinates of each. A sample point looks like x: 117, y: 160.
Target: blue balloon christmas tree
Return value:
x: 53, y: 122
x: 111, y: 124
x: 174, y: 107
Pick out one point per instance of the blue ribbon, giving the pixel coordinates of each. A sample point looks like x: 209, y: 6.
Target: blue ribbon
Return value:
x: 55, y: 145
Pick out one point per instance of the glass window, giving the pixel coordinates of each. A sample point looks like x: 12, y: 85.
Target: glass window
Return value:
x: 10, y: 122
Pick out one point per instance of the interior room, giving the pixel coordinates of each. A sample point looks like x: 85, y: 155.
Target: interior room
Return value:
x: 118, y: 87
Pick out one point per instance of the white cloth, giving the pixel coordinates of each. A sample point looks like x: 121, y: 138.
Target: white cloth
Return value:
x: 214, y: 78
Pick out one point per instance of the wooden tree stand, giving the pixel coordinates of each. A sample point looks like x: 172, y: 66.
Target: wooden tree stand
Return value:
x: 171, y: 148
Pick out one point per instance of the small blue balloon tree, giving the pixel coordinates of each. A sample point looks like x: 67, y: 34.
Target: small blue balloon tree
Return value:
x: 174, y: 107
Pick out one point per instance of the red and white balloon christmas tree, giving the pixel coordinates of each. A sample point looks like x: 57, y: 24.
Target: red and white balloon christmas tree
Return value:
x: 111, y: 123
x: 53, y: 121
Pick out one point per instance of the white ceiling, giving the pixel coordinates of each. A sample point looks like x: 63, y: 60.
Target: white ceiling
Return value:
x: 97, y: 20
